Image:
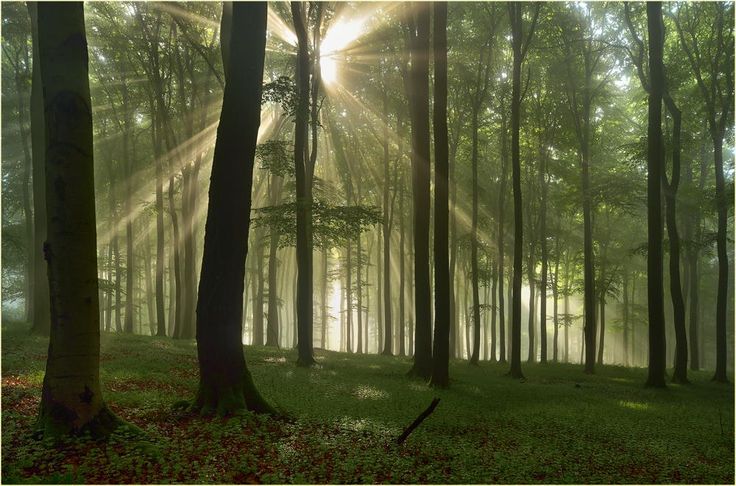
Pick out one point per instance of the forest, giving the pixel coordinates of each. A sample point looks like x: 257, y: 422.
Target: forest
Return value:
x: 367, y: 242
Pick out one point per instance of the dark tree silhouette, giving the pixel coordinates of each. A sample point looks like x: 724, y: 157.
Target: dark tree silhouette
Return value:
x: 655, y: 162
x: 225, y: 384
x: 441, y: 350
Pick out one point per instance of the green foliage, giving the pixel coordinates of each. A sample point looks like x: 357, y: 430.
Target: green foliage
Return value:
x: 277, y: 157
x: 333, y: 225
x: 347, y: 412
x: 281, y: 92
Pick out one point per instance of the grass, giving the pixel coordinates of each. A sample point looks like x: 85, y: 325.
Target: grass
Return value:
x: 558, y: 426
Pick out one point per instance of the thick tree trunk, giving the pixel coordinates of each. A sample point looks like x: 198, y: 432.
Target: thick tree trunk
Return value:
x: 419, y: 109
x: 441, y: 350
x: 655, y: 156
x: 71, y: 398
x: 225, y: 384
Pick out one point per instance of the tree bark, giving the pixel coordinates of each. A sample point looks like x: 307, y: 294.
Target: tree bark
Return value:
x: 225, y: 384
x: 419, y: 109
x: 655, y: 156
x: 441, y: 351
x: 41, y: 309
x: 71, y: 398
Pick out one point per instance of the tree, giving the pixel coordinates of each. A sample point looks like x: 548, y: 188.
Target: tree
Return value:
x: 71, y: 399
x: 655, y: 162
x: 41, y: 308
x: 417, y: 87
x: 225, y: 384
x: 714, y: 76
x: 520, y: 46
x: 441, y: 350
x: 670, y: 195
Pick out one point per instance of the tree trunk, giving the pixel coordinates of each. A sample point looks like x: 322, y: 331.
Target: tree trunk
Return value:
x: 225, y: 384
x: 386, y: 229
x: 555, y: 299
x: 500, y: 241
x: 441, y: 351
x: 670, y: 193
x: 272, y: 332
x: 655, y: 158
x: 402, y: 271
x: 515, y: 19
x: 349, y: 299
x: 41, y: 309
x: 71, y: 399
x: 419, y: 109
x: 532, y: 351
x: 359, y: 288
x: 494, y: 290
x: 545, y: 260
x: 474, y: 240
x: 626, y: 317
x: 178, y: 324
x: 303, y: 194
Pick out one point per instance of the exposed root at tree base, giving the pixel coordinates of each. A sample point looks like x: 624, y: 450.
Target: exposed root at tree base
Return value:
x: 104, y: 424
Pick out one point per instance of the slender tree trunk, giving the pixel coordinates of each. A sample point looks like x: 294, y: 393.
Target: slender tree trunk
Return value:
x: 386, y: 232
x: 118, y: 290
x: 225, y: 384
x: 722, y: 250
x: 545, y: 260
x: 272, y: 332
x: 178, y: 324
x: 494, y: 311
x: 474, y: 241
x: 349, y: 299
x: 515, y: 18
x: 602, y: 304
x: 626, y: 317
x: 500, y: 241
x: 41, y: 308
x: 71, y: 399
x: 303, y: 189
x: 324, y: 313
x: 532, y: 351
x: 441, y: 350
x: 359, y: 288
x: 555, y: 300
x: 402, y: 268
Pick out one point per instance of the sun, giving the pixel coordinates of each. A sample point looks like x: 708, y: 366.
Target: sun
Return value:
x: 328, y: 69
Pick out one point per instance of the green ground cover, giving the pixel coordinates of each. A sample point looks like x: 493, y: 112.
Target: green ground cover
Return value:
x: 558, y: 426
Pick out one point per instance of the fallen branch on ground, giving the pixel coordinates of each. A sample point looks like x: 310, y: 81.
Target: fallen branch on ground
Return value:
x: 418, y: 421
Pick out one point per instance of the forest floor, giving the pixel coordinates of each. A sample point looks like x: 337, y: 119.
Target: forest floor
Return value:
x: 558, y: 426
